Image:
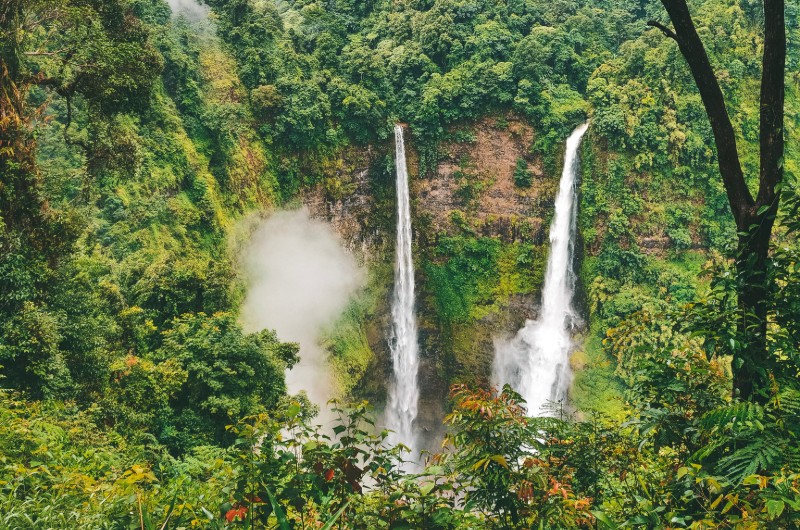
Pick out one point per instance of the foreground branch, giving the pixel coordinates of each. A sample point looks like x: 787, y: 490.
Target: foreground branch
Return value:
x: 664, y: 29
x: 694, y: 52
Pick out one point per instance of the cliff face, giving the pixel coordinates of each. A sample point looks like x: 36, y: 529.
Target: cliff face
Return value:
x: 475, y: 177
x: 353, y: 197
x: 479, y: 246
x: 471, y: 190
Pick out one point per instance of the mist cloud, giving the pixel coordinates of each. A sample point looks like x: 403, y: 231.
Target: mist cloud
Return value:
x: 192, y: 10
x: 300, y: 279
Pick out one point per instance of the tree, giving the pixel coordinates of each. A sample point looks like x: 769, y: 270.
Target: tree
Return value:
x: 507, y: 465
x: 754, y: 216
x: 95, y: 49
x: 229, y: 375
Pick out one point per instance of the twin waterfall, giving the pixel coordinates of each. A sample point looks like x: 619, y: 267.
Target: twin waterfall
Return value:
x: 536, y: 362
x: 404, y: 391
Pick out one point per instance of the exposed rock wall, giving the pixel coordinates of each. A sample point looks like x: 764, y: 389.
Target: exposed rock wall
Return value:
x: 471, y: 195
x: 484, y: 157
x: 346, y: 197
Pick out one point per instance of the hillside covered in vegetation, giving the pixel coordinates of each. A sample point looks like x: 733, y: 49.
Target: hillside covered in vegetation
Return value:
x: 142, y: 142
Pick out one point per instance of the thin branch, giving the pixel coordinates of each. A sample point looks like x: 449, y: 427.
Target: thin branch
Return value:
x: 664, y: 29
x: 68, y: 99
x: 694, y: 52
x: 41, y: 53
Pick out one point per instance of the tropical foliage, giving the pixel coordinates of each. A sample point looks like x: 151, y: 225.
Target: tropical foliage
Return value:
x: 133, y: 142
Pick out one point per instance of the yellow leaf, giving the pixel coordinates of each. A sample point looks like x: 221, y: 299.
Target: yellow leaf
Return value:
x: 500, y: 460
x: 716, y: 502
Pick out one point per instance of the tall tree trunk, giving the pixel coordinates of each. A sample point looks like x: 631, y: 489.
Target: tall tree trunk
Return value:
x: 16, y: 154
x: 755, y: 365
x: 754, y: 217
x: 751, y: 363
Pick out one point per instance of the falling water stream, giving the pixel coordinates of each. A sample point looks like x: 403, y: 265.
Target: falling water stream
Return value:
x: 404, y: 391
x: 536, y: 361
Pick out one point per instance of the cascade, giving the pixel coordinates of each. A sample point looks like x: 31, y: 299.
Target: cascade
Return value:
x: 536, y: 362
x: 404, y: 391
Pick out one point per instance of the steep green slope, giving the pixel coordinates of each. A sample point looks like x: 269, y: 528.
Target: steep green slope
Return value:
x: 150, y: 194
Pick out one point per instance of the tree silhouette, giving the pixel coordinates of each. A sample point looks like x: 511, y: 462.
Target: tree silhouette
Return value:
x: 754, y: 216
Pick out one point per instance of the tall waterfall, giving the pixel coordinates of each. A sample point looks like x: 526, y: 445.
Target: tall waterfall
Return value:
x: 404, y: 391
x: 536, y: 361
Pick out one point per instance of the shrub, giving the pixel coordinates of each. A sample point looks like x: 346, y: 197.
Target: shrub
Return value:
x: 522, y: 175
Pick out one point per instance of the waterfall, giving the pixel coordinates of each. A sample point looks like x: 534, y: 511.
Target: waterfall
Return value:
x: 404, y: 392
x: 536, y: 362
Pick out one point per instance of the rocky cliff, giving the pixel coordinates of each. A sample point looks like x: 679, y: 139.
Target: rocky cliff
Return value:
x: 480, y: 224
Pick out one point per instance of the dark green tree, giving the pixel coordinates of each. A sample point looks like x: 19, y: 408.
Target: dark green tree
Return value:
x: 92, y: 50
x: 229, y: 375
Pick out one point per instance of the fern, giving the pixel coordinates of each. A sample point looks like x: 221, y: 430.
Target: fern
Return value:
x: 722, y: 418
x: 759, y: 455
x: 789, y: 403
x: 747, y: 438
x: 709, y: 449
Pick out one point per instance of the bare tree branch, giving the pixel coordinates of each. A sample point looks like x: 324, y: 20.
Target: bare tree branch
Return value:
x: 39, y: 53
x: 772, y: 103
x: 664, y: 29
x: 694, y: 52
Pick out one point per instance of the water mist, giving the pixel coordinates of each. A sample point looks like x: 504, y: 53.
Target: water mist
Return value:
x: 536, y: 362
x: 192, y: 10
x: 300, y: 279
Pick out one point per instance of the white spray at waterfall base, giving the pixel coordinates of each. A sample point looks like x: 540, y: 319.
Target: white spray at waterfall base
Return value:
x: 536, y: 362
x: 401, y: 410
x: 300, y: 279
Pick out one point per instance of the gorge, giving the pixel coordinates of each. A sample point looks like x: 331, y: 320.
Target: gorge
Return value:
x: 252, y: 251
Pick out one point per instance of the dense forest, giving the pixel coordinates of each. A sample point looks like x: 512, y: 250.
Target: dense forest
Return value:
x: 143, y: 143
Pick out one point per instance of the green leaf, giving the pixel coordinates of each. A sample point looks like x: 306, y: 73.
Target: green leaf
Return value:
x: 500, y: 459
x: 716, y: 502
x: 279, y: 513
x: 293, y: 410
x: 604, y: 520
x: 775, y: 508
x: 171, y: 510
x: 427, y: 488
x: 147, y: 521
x: 335, y: 517
x: 480, y: 463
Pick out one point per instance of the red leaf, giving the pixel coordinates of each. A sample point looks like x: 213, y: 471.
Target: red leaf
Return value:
x: 236, y: 514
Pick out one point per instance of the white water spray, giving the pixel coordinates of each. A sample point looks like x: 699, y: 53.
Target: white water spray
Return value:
x: 192, y: 10
x: 536, y: 362
x: 300, y: 280
x: 404, y: 392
